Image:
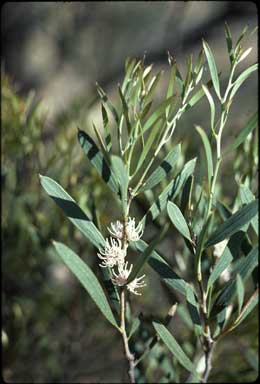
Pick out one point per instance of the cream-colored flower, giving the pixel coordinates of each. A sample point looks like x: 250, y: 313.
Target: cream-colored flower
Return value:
x: 135, y: 284
x: 121, y: 277
x: 133, y: 233
x: 117, y: 229
x: 113, y: 254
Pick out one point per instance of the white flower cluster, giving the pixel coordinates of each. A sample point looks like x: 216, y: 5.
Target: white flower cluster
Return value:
x: 114, y: 253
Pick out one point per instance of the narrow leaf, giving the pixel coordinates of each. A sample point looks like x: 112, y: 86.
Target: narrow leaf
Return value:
x: 87, y: 278
x: 72, y: 211
x: 142, y: 259
x: 250, y: 126
x: 171, y: 85
x: 246, y: 197
x: 175, y: 348
x: 212, y: 68
x: 148, y: 145
x: 229, y: 43
x: 163, y: 169
x: 245, y: 268
x: 208, y: 152
x: 239, y: 81
x: 97, y: 160
x: 240, y: 291
x: 197, y: 96
x: 165, y: 271
x: 170, y: 192
x: 159, y: 111
x: 234, y: 223
x: 120, y: 171
x: 212, y: 107
x: 108, y: 139
x: 178, y: 220
x: 106, y: 101
x: 248, y: 308
x: 193, y: 309
x: 125, y: 110
x: 102, y: 145
x: 135, y: 325
x: 223, y: 262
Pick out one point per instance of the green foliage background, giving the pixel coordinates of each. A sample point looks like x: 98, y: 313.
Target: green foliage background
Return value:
x: 51, y: 329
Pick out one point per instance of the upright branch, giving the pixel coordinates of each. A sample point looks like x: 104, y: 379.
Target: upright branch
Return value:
x: 129, y: 356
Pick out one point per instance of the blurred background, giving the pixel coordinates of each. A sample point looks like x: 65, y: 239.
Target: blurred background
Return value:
x: 52, y: 55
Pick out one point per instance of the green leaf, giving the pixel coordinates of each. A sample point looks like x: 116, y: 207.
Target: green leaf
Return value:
x: 151, y: 88
x: 175, y: 348
x: 240, y: 291
x: 229, y: 43
x: 163, y: 169
x: 233, y: 223
x: 72, y: 211
x: 250, y: 126
x: 188, y: 77
x: 246, y: 197
x: 87, y: 278
x: 171, y: 86
x: 200, y: 246
x: 129, y: 68
x: 245, y: 268
x: 212, y: 68
x: 178, y: 220
x: 125, y: 110
x: 223, y: 262
x: 111, y: 289
x: 142, y: 259
x: 212, y: 107
x: 239, y: 81
x: 108, y: 139
x: 242, y: 35
x: 159, y: 111
x: 106, y: 101
x: 197, y: 96
x: 248, y: 308
x: 186, y: 194
x: 193, y: 309
x: 135, y: 325
x: 208, y: 152
x: 165, y: 271
x: 102, y: 145
x: 97, y: 160
x: 120, y: 171
x: 170, y: 192
x: 148, y: 146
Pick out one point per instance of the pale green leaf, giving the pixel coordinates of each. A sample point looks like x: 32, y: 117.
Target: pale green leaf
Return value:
x: 97, y: 160
x: 163, y: 169
x: 87, y: 278
x: 245, y: 268
x: 250, y: 126
x: 170, y: 192
x: 223, y: 262
x: 72, y: 211
x: 212, y: 68
x: 178, y: 220
x: 239, y: 81
x: 175, y: 348
x: 208, y: 152
x: 240, y: 291
x: 233, y: 223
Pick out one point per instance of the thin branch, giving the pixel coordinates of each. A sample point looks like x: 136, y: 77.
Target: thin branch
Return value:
x: 129, y: 356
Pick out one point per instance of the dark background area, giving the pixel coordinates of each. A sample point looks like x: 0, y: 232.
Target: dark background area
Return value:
x: 54, y: 53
